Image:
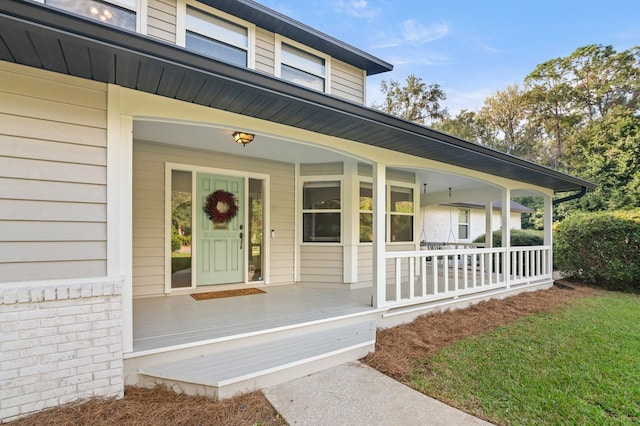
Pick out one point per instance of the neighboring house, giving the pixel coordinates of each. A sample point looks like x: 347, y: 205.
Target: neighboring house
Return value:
x: 118, y: 127
x: 464, y: 222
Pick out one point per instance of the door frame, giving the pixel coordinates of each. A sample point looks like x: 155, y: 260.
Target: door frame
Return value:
x: 246, y: 174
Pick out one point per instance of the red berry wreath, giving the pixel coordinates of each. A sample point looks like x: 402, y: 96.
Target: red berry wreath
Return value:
x: 221, y: 206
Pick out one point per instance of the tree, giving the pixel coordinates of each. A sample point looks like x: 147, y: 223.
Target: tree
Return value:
x: 607, y: 152
x: 416, y: 101
x: 505, y: 118
x: 464, y: 125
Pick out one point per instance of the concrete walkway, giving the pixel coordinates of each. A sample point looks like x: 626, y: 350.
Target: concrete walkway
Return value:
x: 354, y: 394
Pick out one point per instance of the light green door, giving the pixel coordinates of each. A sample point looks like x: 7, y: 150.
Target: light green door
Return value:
x: 219, y: 246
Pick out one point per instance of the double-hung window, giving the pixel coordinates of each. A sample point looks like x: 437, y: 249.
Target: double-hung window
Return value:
x: 401, y: 214
x: 321, y: 211
x: 121, y: 13
x: 302, y: 67
x: 463, y: 224
x: 216, y: 37
x: 399, y: 211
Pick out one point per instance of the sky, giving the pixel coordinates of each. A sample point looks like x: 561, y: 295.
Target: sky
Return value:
x: 470, y: 48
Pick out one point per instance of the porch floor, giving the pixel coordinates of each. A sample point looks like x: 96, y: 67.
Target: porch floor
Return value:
x: 170, y: 321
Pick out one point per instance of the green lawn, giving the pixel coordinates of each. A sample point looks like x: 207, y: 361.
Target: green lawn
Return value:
x: 579, y: 365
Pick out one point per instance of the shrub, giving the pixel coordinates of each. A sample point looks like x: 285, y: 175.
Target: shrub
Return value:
x: 519, y: 237
x: 600, y: 248
x: 176, y: 242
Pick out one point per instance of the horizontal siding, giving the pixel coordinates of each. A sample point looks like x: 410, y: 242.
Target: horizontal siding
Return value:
x: 321, y: 169
x: 52, y: 175
x: 265, y: 51
x: 365, y: 264
x: 347, y: 82
x: 322, y: 264
x: 148, y: 209
x: 161, y: 20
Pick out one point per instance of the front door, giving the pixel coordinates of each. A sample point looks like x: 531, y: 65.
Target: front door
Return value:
x: 219, y: 244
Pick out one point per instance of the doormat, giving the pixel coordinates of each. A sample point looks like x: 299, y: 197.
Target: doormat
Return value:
x: 226, y: 293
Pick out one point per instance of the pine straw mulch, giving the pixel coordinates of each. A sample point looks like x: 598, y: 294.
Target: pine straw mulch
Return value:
x: 159, y: 406
x: 398, y: 348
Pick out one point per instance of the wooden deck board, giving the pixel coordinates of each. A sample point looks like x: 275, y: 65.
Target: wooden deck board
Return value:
x: 177, y: 320
x: 220, y: 369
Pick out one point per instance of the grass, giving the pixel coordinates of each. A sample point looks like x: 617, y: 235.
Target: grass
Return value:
x: 577, y: 365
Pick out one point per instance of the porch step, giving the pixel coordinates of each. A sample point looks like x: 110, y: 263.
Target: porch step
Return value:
x: 224, y: 374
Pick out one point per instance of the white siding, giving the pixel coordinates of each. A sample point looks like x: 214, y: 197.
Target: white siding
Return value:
x: 347, y: 82
x: 52, y: 175
x: 161, y: 19
x: 148, y: 210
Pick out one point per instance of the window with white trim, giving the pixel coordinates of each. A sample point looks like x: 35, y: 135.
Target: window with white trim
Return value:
x: 321, y: 211
x: 302, y: 67
x: 216, y: 37
x: 401, y: 213
x: 463, y: 224
x: 121, y: 13
x: 399, y: 209
x: 366, y: 212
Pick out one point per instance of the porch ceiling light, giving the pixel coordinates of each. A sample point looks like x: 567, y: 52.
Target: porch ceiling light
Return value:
x: 242, y: 137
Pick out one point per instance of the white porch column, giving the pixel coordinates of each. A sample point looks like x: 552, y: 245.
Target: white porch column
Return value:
x: 379, y: 224
x: 506, y: 234
x: 488, y: 225
x: 351, y: 222
x: 548, y: 230
x: 120, y: 206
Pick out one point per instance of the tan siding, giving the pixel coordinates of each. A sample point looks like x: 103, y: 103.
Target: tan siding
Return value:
x: 148, y: 209
x: 321, y: 169
x: 161, y: 20
x: 52, y: 175
x: 365, y: 264
x: 265, y: 51
x: 347, y: 82
x: 321, y: 264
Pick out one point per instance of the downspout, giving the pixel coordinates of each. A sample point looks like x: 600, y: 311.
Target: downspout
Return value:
x: 580, y: 194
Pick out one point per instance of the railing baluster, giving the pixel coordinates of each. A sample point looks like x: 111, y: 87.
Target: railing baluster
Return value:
x: 398, y: 278
x: 423, y: 275
x: 412, y: 276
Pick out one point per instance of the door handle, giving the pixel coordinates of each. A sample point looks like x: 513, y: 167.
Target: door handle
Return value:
x: 241, y: 240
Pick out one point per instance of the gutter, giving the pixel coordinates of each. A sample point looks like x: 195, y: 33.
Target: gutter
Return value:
x: 580, y: 194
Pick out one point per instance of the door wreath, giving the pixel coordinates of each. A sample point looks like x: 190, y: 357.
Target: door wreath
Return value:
x: 221, y: 206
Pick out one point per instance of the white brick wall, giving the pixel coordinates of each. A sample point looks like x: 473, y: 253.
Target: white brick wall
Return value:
x: 59, y: 342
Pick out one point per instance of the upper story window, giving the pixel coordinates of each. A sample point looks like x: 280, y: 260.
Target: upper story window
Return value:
x: 302, y: 67
x: 216, y: 37
x: 121, y: 13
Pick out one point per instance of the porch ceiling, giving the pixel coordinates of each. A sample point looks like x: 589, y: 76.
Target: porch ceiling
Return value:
x: 39, y: 36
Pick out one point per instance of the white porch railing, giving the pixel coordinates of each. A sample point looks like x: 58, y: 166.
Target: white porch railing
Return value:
x: 428, y: 275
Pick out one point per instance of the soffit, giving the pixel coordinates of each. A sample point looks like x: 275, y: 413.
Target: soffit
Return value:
x: 42, y: 37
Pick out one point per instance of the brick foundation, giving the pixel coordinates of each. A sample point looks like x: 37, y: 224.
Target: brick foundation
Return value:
x: 60, y: 341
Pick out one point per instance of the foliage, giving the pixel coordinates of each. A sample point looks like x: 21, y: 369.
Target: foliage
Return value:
x: 519, y: 237
x: 506, y: 128
x: 601, y: 248
x: 578, y: 365
x: 416, y: 101
x: 607, y: 152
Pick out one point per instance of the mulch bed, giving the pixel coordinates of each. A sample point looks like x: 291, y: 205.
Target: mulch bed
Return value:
x: 399, y: 347
x: 396, y: 350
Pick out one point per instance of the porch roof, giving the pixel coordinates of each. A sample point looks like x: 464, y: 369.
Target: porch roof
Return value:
x: 39, y: 36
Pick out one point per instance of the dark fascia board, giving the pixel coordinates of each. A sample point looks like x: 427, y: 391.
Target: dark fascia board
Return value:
x: 281, y: 24
x: 399, y: 135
